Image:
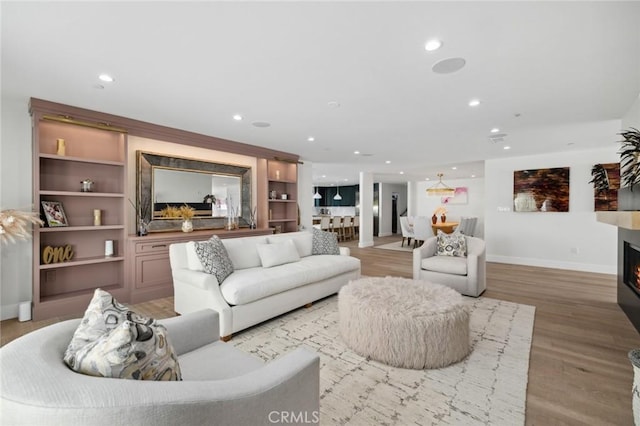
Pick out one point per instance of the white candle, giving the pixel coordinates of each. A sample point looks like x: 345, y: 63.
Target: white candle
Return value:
x: 108, y: 248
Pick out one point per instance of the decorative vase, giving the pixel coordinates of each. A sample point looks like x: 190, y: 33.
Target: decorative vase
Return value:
x: 142, y: 228
x: 434, y: 219
x: 443, y: 218
x: 187, y: 226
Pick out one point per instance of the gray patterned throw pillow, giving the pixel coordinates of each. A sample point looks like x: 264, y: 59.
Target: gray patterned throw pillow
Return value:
x: 113, y: 341
x: 324, y: 242
x: 453, y: 244
x: 214, y: 258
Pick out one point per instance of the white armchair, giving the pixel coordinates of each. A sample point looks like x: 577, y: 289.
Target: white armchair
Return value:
x: 467, y: 275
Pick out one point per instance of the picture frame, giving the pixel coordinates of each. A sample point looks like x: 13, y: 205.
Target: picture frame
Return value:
x: 54, y: 214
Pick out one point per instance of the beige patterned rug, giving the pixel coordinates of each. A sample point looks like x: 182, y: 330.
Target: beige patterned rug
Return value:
x: 487, y: 388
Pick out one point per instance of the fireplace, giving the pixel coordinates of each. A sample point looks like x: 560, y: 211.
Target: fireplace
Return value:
x: 629, y: 274
x: 631, y: 271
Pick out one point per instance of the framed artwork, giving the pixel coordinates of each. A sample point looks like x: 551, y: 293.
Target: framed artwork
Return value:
x: 459, y: 197
x: 606, y: 182
x: 54, y: 213
x: 541, y: 190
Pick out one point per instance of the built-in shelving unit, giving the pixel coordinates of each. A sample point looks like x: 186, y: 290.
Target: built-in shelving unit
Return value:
x: 282, y: 192
x: 95, y: 152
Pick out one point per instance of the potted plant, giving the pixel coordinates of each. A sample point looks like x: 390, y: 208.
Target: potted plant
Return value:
x: 187, y: 213
x: 629, y: 170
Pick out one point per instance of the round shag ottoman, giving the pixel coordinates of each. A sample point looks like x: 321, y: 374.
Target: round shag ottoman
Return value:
x: 404, y: 323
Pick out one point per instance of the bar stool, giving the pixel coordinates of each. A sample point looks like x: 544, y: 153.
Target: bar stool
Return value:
x: 356, y: 226
x: 325, y: 223
x: 336, y: 226
x: 347, y: 227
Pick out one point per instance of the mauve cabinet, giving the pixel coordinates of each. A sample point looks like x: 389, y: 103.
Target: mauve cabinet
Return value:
x: 91, y: 151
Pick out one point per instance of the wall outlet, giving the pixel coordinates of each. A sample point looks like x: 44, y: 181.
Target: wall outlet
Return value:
x: 575, y: 250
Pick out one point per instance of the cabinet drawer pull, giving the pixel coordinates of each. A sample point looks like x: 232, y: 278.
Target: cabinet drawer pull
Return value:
x: 158, y: 245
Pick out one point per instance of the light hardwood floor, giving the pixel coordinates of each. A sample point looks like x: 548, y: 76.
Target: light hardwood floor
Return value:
x: 579, y: 373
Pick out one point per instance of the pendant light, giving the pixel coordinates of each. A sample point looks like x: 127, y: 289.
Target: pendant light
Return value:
x: 337, y: 197
x: 317, y: 195
x: 440, y: 189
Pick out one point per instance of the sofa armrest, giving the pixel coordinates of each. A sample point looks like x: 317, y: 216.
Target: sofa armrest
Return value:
x: 191, y: 331
x: 198, y: 279
x: 345, y: 251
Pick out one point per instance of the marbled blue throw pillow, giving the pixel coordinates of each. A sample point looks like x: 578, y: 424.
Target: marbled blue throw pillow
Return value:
x: 214, y: 258
x: 324, y: 242
x: 453, y: 244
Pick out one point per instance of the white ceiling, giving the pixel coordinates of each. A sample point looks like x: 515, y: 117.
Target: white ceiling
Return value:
x: 539, y: 68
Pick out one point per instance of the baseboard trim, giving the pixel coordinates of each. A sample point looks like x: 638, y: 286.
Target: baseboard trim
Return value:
x: 546, y: 263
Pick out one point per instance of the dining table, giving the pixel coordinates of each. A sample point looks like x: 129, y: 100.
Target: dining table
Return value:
x: 446, y: 227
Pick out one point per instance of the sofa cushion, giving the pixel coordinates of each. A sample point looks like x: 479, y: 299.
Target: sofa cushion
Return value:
x: 303, y: 241
x: 446, y: 264
x: 324, y: 242
x: 113, y: 341
x: 228, y: 362
x: 248, y: 285
x: 243, y: 251
x: 214, y: 258
x: 277, y: 253
x: 453, y: 244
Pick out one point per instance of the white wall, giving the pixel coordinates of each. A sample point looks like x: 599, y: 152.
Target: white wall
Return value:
x: 15, y: 193
x: 632, y: 117
x: 572, y: 240
x: 426, y: 205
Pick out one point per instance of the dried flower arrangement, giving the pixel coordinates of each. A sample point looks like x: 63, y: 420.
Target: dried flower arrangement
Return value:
x: 187, y: 212
x: 170, y: 212
x: 440, y: 211
x: 14, y: 225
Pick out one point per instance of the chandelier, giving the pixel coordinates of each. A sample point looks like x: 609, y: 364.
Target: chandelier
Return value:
x: 440, y: 189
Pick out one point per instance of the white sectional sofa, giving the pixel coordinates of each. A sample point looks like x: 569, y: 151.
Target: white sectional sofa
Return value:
x: 254, y: 293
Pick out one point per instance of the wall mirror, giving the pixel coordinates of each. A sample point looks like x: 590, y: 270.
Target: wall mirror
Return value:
x: 213, y: 190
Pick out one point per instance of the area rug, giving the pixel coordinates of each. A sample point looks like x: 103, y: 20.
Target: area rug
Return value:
x: 396, y: 246
x: 487, y: 388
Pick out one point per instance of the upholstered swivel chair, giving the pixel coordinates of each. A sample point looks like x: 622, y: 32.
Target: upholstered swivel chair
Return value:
x: 407, y: 232
x: 467, y: 275
x: 221, y: 384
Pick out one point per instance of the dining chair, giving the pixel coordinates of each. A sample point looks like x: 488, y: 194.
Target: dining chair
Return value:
x: 407, y: 231
x: 421, y: 230
x: 467, y: 226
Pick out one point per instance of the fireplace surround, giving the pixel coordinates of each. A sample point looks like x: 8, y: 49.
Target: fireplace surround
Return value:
x: 629, y: 274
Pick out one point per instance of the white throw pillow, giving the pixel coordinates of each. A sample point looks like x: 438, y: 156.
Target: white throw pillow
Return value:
x: 193, y: 261
x: 278, y: 253
x: 303, y: 241
x: 243, y: 251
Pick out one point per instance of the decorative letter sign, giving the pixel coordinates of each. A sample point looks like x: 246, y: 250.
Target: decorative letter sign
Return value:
x: 57, y: 254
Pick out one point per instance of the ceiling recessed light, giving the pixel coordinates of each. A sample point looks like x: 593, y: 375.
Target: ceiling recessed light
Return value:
x: 311, y: 139
x: 495, y: 130
x: 432, y: 45
x: 333, y: 104
x: 237, y: 117
x: 473, y: 175
x: 454, y: 168
x: 105, y: 77
x: 324, y: 176
x: 427, y: 179
x: 261, y: 124
x: 474, y: 102
x: 401, y: 173
x: 506, y: 147
x: 346, y: 180
x: 388, y: 162
x: 449, y: 65
x: 356, y: 152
